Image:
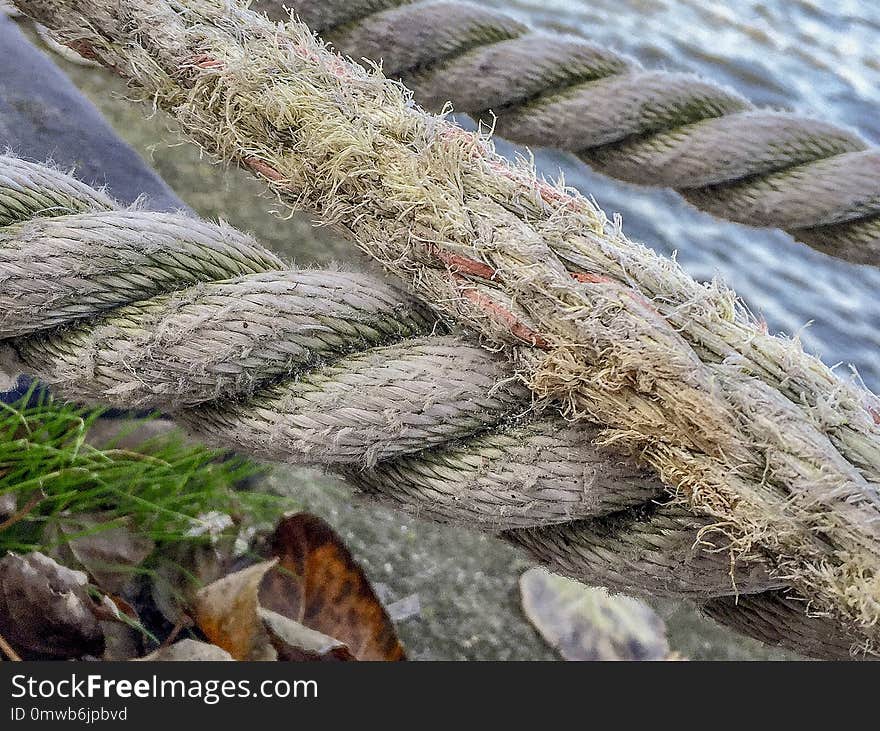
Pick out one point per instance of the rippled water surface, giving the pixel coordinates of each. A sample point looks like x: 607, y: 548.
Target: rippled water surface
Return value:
x: 818, y: 58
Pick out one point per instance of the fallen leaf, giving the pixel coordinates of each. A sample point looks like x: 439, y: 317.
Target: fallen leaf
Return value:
x: 586, y: 623
x: 294, y: 642
x: 317, y: 583
x: 45, y: 611
x: 311, y: 602
x: 188, y: 651
x: 118, y: 620
x: 227, y: 611
x: 109, y: 555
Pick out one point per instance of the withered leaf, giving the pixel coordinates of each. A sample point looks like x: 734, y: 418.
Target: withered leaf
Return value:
x: 586, y: 623
x: 45, y: 611
x: 118, y: 619
x: 318, y: 584
x: 227, y: 611
x: 185, y: 568
x: 229, y: 614
x: 109, y: 555
x: 294, y: 642
x: 187, y: 651
x: 308, y: 603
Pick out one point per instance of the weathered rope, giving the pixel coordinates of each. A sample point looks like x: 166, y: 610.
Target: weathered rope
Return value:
x: 764, y: 441
x: 312, y: 366
x: 769, y: 617
x: 262, y: 362
x: 817, y: 181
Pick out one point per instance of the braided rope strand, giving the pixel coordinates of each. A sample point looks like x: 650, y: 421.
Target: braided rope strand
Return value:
x: 334, y: 368
x: 817, y: 181
x: 298, y: 365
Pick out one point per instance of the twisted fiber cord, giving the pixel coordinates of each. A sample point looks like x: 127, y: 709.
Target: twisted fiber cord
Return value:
x: 817, y: 181
x: 288, y: 364
x: 27, y: 191
x: 781, y: 454
x: 310, y: 366
x: 766, y: 617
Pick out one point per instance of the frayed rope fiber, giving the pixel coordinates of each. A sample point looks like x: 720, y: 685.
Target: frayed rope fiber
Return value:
x: 818, y: 181
x: 335, y: 368
x: 760, y: 439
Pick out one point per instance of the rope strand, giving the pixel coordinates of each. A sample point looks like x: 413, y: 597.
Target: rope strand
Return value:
x: 335, y: 369
x: 817, y: 181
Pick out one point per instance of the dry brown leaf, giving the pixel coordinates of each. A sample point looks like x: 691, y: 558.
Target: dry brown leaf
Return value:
x: 118, y: 619
x: 227, y: 611
x: 109, y: 555
x: 188, y: 651
x: 45, y: 611
x: 294, y: 642
x: 586, y: 623
x: 311, y: 602
x: 318, y: 584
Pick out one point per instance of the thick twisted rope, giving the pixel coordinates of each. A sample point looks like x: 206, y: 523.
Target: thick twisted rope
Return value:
x: 765, y: 442
x: 239, y: 336
x: 122, y: 307
x: 334, y: 368
x: 817, y: 181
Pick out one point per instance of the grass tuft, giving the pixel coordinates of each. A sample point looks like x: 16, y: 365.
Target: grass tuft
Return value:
x: 162, y: 490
